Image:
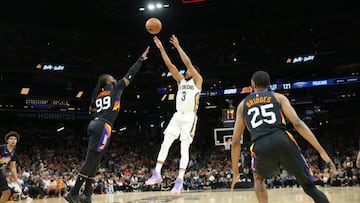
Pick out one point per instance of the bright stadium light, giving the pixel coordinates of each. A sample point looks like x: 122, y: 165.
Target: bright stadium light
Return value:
x: 79, y: 94
x: 25, y: 91
x: 154, y: 6
x: 60, y: 129
x: 151, y: 6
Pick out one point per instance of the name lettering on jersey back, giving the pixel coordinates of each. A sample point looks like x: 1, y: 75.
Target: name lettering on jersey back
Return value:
x: 103, y: 93
x: 257, y: 100
x: 191, y: 87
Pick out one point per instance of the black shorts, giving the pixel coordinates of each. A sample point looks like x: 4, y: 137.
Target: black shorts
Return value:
x: 279, y: 148
x: 3, y: 182
x: 100, y: 133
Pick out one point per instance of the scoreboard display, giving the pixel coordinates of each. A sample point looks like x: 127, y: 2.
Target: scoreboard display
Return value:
x: 279, y: 86
x: 287, y: 86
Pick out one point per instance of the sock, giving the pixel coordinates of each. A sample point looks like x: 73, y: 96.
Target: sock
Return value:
x: 79, y: 181
x: 158, y: 167
x: 181, y: 173
x: 88, y: 187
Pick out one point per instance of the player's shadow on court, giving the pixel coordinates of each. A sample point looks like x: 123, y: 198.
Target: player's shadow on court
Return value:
x: 161, y: 199
x: 155, y: 199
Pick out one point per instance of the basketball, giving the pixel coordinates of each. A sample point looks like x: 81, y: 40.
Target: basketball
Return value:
x: 153, y: 25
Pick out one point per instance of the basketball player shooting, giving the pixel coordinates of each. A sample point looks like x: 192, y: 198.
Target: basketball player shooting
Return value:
x: 183, y: 121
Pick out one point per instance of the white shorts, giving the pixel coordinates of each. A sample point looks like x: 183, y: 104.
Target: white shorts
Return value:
x: 183, y: 125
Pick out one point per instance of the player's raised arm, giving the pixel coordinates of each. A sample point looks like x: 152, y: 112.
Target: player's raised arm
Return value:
x: 172, y: 68
x: 134, y: 69
x: 186, y: 60
x: 302, y: 128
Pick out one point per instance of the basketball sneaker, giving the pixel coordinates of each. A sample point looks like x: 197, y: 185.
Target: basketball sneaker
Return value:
x: 176, y: 190
x: 85, y: 199
x: 72, y: 198
x: 154, y: 179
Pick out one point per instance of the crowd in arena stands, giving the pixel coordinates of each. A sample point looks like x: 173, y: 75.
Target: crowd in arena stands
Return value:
x: 47, y: 167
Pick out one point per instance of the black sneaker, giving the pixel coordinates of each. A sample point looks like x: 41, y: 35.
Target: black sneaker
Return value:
x: 72, y: 198
x: 85, y: 199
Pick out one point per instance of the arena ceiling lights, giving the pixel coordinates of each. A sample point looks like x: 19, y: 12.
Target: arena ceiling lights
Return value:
x: 154, y: 6
x: 79, y: 94
x: 25, y: 91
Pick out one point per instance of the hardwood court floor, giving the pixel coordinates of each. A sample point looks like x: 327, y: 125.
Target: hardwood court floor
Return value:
x: 284, y: 195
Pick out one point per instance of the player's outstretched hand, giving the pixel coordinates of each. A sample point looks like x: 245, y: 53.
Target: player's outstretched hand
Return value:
x: 158, y: 42
x: 234, y: 181
x: 327, y: 159
x: 358, y: 160
x: 144, y: 55
x: 174, y: 41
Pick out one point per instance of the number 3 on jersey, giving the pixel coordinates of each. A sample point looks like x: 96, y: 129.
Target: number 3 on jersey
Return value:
x: 103, y: 103
x: 183, y: 96
x: 261, y: 114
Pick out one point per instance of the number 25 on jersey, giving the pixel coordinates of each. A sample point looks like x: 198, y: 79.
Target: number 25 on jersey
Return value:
x: 261, y: 114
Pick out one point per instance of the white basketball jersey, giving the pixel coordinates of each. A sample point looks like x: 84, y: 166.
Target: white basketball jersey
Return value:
x: 187, y: 97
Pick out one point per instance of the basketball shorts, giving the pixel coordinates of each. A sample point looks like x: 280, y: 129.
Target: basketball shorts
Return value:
x: 279, y: 149
x: 100, y: 133
x: 3, y: 183
x: 183, y: 125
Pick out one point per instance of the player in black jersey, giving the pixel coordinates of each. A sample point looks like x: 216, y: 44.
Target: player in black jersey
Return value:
x: 263, y: 112
x: 105, y: 105
x: 8, y: 156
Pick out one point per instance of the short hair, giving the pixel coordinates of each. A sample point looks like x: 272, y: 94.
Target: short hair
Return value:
x: 12, y: 134
x: 261, y: 79
x: 102, y: 80
x: 100, y: 84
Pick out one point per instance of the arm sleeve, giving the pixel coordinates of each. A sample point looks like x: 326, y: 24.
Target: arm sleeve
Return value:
x: 134, y: 69
x: 119, y: 85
